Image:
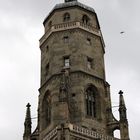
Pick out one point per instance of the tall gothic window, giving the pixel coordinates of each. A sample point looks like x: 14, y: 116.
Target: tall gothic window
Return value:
x: 66, y: 17
x: 85, y: 19
x: 46, y: 110
x: 91, y: 102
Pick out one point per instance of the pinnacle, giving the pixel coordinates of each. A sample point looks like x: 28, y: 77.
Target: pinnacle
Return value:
x: 121, y: 92
x: 28, y: 105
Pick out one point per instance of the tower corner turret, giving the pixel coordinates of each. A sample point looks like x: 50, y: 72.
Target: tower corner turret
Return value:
x: 124, y: 132
x: 27, y: 124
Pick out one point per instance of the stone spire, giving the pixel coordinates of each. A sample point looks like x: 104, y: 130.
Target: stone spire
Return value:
x: 27, y: 123
x: 70, y: 0
x: 122, y: 107
x: 124, y: 132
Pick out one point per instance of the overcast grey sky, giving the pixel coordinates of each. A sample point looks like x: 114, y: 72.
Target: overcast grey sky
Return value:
x: 21, y: 28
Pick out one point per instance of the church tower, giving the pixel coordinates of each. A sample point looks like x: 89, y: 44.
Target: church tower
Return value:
x: 74, y: 97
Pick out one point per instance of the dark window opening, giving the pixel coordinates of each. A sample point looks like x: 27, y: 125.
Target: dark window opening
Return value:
x: 47, y: 48
x: 66, y: 39
x: 89, y: 63
x: 47, y: 69
x: 85, y: 19
x: 88, y: 41
x: 66, y: 62
x: 66, y: 17
x: 73, y: 95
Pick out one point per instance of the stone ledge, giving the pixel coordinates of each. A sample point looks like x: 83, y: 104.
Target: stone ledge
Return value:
x: 80, y: 131
x: 68, y: 26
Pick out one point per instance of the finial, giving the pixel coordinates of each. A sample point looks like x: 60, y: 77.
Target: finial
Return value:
x: 122, y: 103
x: 28, y: 114
x: 28, y: 105
x: 121, y: 92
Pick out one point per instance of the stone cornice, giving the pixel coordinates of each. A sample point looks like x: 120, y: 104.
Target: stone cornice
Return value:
x: 72, y: 72
x: 69, y: 26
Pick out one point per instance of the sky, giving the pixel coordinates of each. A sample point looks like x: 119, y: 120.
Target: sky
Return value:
x: 20, y: 30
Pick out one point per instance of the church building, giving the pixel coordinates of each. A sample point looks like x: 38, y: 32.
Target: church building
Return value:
x: 74, y: 96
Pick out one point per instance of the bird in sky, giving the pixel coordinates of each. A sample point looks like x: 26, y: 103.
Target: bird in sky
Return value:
x: 122, y: 32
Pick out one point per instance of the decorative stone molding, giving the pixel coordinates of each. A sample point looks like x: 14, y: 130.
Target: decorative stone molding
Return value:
x: 81, y: 132
x: 68, y: 26
x: 90, y: 133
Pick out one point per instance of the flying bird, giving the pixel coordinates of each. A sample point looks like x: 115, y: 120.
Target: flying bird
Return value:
x: 122, y: 32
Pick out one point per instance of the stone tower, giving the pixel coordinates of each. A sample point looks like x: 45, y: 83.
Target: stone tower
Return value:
x: 74, y: 99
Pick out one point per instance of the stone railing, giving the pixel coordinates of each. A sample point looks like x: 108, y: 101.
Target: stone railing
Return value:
x: 51, y: 134
x: 90, y: 133
x: 81, y: 131
x: 65, y: 25
x: 69, y: 25
x: 89, y: 27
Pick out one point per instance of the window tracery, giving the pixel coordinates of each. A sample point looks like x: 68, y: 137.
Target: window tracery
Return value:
x: 91, y: 102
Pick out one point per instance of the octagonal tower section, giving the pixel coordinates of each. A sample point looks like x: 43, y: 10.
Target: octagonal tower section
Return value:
x: 73, y: 85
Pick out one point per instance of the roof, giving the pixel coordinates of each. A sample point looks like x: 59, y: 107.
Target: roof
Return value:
x: 69, y: 4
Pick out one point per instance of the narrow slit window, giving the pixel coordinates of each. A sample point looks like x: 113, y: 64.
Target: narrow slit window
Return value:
x: 89, y: 63
x: 85, y: 19
x: 66, y: 17
x: 47, y: 69
x: 66, y: 39
x: 66, y: 62
x: 88, y: 41
x: 47, y: 48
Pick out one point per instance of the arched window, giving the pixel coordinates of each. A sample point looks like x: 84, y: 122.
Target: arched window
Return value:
x: 85, y: 19
x: 46, y: 110
x: 91, y: 101
x: 66, y: 17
